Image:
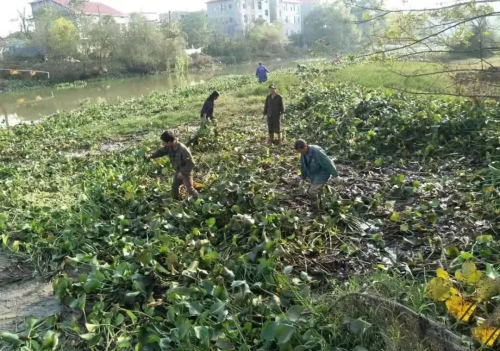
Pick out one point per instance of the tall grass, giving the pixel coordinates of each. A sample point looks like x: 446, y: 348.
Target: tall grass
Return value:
x: 393, y: 75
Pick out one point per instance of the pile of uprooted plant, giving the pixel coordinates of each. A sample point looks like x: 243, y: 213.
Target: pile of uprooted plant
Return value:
x: 247, y: 266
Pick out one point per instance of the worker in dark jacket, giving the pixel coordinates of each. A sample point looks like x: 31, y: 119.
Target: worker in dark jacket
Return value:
x: 274, y: 111
x: 182, y: 161
x: 207, y: 111
x: 317, y: 166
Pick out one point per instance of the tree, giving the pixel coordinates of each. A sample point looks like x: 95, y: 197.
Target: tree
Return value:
x: 330, y: 28
x: 146, y: 48
x: 63, y: 38
x: 43, y: 22
x: 267, y: 39
x: 196, y: 27
x: 174, y: 45
x: 103, y: 37
x: 25, y: 24
x: 235, y: 49
x: 461, y: 29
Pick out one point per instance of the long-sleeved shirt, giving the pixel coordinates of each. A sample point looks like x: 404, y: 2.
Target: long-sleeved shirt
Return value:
x: 261, y: 73
x: 180, y: 157
x: 208, y: 108
x: 274, y: 106
x: 317, y: 166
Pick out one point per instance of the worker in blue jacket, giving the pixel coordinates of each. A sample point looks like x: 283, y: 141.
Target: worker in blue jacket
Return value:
x: 317, y: 166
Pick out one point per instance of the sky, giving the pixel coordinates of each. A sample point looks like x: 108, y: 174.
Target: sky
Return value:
x: 9, y: 8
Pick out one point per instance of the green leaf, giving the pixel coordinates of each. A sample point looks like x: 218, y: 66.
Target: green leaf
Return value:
x: 217, y: 307
x: 10, y: 338
x: 390, y: 205
x: 268, y: 330
x: 201, y: 332
x: 491, y: 272
x: 82, y: 301
x: 119, y: 319
x: 132, y: 295
x: 50, y: 340
x: 91, y: 328
x: 395, y: 216
x: 210, y: 222
x: 403, y: 227
x: 359, y: 348
x: 483, y: 239
x: 466, y: 256
x: 3, y: 221
x: 452, y: 251
x: 358, y: 326
x: 88, y: 336
x: 221, y: 293
x: 132, y: 316
x: 294, y: 312
x: 283, y: 333
x: 224, y: 344
x: 30, y: 322
x: 195, y: 308
x: 153, y: 339
x: 184, y: 328
x: 122, y: 343
x: 91, y: 286
x: 433, y: 217
x: 165, y: 344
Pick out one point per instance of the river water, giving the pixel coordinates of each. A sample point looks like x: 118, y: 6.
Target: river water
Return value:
x: 32, y: 105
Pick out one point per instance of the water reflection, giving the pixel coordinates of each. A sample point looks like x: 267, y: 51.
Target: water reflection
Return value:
x: 30, y: 106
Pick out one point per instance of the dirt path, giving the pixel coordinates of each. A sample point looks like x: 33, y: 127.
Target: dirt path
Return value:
x: 22, y: 296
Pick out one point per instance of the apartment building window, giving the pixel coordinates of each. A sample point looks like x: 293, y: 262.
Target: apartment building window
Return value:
x: 280, y: 13
x: 286, y: 19
x: 230, y: 19
x: 259, y: 5
x: 245, y: 18
x: 253, y: 5
x: 229, y: 6
x: 244, y: 4
x: 260, y: 16
x: 267, y: 13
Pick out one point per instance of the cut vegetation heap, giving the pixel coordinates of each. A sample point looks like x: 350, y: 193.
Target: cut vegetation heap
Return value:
x: 246, y: 267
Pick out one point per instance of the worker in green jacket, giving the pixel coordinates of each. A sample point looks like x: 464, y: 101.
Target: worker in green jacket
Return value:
x: 182, y: 161
x: 317, y: 166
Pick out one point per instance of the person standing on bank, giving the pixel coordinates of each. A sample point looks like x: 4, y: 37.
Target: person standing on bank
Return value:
x: 261, y: 73
x: 317, y: 166
x: 274, y: 111
x: 207, y: 111
x: 182, y: 161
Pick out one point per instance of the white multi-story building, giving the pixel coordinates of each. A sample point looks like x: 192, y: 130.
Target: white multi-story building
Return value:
x: 233, y: 16
x: 288, y: 14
